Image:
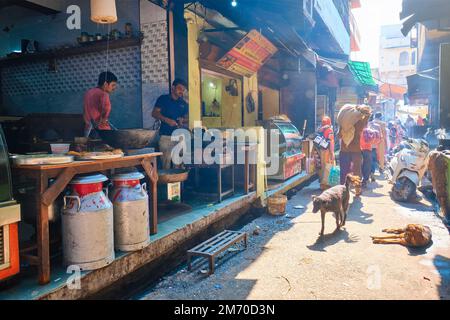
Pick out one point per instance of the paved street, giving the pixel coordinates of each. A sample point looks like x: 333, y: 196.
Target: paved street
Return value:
x: 286, y: 260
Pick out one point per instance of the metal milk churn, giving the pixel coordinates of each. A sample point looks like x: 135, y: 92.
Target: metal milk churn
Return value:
x: 131, y: 212
x: 87, y: 224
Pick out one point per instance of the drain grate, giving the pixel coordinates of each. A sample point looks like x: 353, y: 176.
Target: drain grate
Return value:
x: 2, y: 246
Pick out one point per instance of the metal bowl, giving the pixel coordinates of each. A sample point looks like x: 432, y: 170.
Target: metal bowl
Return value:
x: 129, y: 138
x: 172, y: 176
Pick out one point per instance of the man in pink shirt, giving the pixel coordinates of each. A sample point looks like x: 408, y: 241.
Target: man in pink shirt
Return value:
x: 97, y: 106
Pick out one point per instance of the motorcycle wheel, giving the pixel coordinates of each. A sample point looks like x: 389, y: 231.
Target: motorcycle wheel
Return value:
x: 404, y: 190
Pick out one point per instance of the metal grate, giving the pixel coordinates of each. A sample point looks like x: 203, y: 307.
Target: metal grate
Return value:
x: 2, y: 246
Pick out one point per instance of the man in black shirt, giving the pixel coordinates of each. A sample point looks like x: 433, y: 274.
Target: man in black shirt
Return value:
x: 172, y: 111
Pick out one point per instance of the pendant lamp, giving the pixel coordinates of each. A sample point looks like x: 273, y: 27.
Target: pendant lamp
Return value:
x: 103, y: 11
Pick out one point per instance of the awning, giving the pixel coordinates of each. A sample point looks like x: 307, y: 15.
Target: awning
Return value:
x: 420, y: 11
x: 362, y: 73
x: 420, y: 86
x: 393, y: 91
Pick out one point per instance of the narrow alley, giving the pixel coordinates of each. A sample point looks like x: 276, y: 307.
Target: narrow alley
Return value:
x: 286, y: 259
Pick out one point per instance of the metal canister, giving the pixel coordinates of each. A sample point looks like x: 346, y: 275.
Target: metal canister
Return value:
x: 131, y: 212
x: 87, y: 224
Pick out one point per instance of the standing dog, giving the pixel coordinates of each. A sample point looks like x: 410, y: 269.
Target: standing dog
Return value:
x: 335, y: 200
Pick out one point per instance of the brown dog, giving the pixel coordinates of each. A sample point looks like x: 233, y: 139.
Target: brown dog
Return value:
x: 414, y: 235
x: 335, y: 200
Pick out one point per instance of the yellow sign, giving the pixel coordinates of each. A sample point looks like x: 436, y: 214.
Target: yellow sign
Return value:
x: 249, y: 55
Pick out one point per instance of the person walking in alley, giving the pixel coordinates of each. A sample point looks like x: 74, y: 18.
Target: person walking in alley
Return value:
x: 370, y: 138
x: 409, y: 124
x: 352, y: 121
x: 327, y: 158
x: 381, y: 147
x: 377, y: 127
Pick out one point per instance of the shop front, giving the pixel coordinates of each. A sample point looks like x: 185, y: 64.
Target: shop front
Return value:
x: 59, y: 175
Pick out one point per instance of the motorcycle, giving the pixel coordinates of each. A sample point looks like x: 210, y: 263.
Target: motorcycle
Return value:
x: 407, y: 168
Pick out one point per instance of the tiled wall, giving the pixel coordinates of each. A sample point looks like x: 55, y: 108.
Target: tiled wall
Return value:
x: 155, y: 59
x: 32, y: 88
x: 77, y: 73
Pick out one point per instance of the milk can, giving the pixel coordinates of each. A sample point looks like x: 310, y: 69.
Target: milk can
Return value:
x: 87, y: 224
x: 131, y: 212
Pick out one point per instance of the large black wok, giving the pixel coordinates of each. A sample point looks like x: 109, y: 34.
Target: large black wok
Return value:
x: 129, y: 138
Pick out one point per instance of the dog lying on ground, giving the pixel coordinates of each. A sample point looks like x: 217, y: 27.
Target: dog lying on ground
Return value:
x: 414, y: 235
x: 335, y: 200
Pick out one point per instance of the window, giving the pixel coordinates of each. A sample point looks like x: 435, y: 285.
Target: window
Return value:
x: 404, y: 59
x: 413, y: 58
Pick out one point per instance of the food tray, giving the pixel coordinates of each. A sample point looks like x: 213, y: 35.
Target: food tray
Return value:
x: 100, y: 156
x: 35, y: 160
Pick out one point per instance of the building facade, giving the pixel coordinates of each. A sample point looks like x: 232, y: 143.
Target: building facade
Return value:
x: 398, y: 59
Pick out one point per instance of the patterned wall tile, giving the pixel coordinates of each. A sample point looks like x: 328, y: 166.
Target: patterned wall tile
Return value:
x: 77, y: 73
x: 155, y: 57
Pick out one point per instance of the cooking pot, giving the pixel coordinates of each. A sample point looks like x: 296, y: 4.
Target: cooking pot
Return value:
x: 128, y: 139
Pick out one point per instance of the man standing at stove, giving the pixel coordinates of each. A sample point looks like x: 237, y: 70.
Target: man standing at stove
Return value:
x: 97, y: 105
x: 172, y: 111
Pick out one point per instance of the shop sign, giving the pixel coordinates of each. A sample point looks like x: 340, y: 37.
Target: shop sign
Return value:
x: 249, y: 55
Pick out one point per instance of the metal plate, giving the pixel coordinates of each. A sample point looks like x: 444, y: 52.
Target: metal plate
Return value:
x: 34, y: 160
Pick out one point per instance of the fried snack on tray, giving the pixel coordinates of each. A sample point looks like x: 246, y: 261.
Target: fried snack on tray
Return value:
x: 102, y: 153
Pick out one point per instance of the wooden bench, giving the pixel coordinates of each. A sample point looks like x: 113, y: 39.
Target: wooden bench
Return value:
x: 212, y: 247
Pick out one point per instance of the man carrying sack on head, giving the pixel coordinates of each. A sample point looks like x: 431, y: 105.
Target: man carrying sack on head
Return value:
x: 352, y: 120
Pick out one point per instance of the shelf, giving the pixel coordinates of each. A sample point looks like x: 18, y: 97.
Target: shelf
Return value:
x: 90, y: 47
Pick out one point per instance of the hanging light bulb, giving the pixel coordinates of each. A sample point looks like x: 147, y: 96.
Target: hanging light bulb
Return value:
x: 103, y: 11
x: 234, y: 3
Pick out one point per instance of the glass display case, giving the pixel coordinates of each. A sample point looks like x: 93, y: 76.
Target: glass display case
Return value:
x: 289, y: 149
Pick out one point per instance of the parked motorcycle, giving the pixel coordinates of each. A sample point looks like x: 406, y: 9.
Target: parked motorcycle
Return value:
x: 407, y: 168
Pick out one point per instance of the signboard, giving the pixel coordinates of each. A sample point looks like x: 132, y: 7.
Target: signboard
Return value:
x: 249, y: 55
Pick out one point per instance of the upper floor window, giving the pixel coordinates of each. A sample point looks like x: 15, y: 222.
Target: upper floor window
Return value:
x: 413, y: 58
x: 404, y: 59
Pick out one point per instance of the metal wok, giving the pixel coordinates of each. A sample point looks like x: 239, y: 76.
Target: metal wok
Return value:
x: 128, y: 139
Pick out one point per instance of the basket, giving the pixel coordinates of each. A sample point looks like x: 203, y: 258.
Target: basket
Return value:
x: 172, y: 176
x: 276, y: 205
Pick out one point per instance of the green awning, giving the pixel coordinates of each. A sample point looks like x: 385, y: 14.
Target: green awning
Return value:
x: 362, y: 73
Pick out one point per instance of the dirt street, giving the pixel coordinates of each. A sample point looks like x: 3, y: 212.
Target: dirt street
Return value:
x: 286, y: 260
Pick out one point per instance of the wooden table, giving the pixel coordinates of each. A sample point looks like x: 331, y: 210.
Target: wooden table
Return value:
x: 63, y: 174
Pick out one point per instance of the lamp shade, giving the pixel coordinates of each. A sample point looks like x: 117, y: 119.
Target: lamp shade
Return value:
x: 103, y: 11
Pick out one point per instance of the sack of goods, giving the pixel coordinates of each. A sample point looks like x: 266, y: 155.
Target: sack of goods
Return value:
x: 347, y: 118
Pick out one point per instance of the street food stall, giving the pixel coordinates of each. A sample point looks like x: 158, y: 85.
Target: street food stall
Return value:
x: 39, y: 171
x: 42, y: 179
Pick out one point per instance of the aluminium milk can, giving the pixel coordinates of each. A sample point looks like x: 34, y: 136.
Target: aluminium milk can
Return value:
x: 131, y: 212
x: 87, y: 224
